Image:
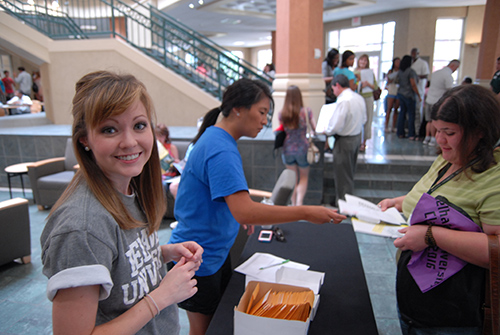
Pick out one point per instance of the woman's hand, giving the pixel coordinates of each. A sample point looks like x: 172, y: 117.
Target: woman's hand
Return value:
x: 392, y: 202
x: 414, y: 238
x: 321, y: 215
x: 178, y: 285
x: 366, y: 83
x: 190, y: 250
x: 249, y: 228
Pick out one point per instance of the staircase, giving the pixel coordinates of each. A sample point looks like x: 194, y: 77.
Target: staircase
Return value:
x: 144, y: 27
x: 375, y: 181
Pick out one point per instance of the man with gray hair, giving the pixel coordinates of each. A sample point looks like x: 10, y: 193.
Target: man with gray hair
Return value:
x: 441, y: 82
x: 346, y: 123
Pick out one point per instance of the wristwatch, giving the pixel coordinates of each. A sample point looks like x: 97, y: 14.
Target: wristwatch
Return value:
x: 429, y: 238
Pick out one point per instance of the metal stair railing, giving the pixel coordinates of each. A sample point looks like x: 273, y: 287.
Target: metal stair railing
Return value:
x: 174, y: 45
x: 45, y: 18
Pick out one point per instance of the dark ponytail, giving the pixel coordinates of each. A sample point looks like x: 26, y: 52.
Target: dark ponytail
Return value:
x: 242, y: 93
x: 208, y: 120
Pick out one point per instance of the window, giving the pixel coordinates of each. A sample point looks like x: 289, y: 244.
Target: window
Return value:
x: 264, y: 57
x: 375, y: 40
x: 447, y: 43
x: 5, y: 64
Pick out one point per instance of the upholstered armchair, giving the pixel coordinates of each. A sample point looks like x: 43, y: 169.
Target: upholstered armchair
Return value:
x: 50, y: 177
x: 282, y: 191
x: 15, y: 238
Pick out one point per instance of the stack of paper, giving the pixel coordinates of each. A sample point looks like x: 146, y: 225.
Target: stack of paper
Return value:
x: 369, y: 212
x: 263, y: 267
x: 379, y: 229
x: 281, y: 304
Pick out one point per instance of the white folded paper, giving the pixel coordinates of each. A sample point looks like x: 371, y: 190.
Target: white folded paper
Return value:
x: 369, y: 212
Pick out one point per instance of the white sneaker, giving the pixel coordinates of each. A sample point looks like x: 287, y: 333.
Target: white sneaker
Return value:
x: 427, y: 140
x: 432, y: 142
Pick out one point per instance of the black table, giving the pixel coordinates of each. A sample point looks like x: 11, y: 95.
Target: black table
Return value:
x: 344, y: 306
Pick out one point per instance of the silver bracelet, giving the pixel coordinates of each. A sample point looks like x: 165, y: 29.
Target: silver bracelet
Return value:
x: 154, y: 303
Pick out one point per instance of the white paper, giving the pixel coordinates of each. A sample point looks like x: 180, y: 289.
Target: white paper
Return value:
x: 325, y: 115
x: 366, y: 75
x: 380, y: 229
x: 369, y: 212
x: 171, y: 180
x: 302, y: 278
x: 251, y: 267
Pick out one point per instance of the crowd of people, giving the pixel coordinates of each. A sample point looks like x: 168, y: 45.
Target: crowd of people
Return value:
x: 22, y: 90
x: 100, y: 248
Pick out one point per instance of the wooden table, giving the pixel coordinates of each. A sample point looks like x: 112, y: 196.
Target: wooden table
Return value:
x: 17, y: 170
x: 7, y: 108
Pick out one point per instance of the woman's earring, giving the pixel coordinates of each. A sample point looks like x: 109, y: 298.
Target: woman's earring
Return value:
x: 238, y: 114
x: 87, y: 148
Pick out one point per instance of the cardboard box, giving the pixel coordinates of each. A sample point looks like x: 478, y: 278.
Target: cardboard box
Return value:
x: 246, y: 324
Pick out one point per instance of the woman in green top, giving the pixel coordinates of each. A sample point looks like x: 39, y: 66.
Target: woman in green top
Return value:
x: 366, y: 88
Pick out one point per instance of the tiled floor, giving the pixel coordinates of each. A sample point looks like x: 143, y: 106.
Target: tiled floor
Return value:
x: 24, y: 308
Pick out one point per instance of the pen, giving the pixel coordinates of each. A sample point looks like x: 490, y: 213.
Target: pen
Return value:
x: 270, y: 266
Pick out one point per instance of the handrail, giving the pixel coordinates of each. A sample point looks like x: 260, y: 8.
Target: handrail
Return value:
x: 174, y: 45
x: 48, y: 20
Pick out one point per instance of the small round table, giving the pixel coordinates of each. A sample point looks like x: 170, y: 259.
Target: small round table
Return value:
x: 17, y: 170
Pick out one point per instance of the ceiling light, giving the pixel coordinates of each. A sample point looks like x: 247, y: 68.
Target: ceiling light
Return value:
x: 200, y: 2
x: 239, y: 43
x: 191, y: 6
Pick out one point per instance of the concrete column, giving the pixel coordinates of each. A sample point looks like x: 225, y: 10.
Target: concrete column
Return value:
x: 489, y: 49
x: 299, y: 52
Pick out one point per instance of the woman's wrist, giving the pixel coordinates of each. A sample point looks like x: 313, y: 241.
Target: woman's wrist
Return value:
x: 152, y: 306
x: 429, y: 238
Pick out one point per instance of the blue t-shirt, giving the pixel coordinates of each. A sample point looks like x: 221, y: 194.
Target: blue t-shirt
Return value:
x: 214, y: 170
x: 346, y: 72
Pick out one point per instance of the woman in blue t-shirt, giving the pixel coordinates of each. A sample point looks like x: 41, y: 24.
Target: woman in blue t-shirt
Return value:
x: 347, y: 62
x: 213, y: 198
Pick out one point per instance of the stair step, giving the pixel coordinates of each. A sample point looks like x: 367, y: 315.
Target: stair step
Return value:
x: 385, y: 181
x: 377, y: 181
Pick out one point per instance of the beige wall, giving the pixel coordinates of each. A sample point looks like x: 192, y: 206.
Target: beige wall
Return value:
x: 62, y: 63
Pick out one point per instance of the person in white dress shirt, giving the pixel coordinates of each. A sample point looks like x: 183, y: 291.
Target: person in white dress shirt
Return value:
x: 442, y: 81
x: 421, y: 67
x: 23, y: 101
x: 345, y: 125
x: 24, y: 80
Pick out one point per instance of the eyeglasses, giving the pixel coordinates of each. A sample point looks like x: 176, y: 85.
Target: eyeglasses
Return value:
x: 278, y: 233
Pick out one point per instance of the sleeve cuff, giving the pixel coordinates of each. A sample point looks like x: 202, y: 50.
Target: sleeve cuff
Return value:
x: 81, y: 276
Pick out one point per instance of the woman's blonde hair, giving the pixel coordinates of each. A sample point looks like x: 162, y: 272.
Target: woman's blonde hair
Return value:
x: 99, y: 96
x: 291, y: 107
x: 367, y: 60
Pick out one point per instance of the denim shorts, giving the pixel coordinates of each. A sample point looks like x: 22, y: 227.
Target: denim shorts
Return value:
x: 300, y: 160
x: 210, y: 290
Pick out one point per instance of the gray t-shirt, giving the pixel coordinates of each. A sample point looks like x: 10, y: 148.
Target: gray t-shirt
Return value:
x: 83, y: 245
x: 405, y: 84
